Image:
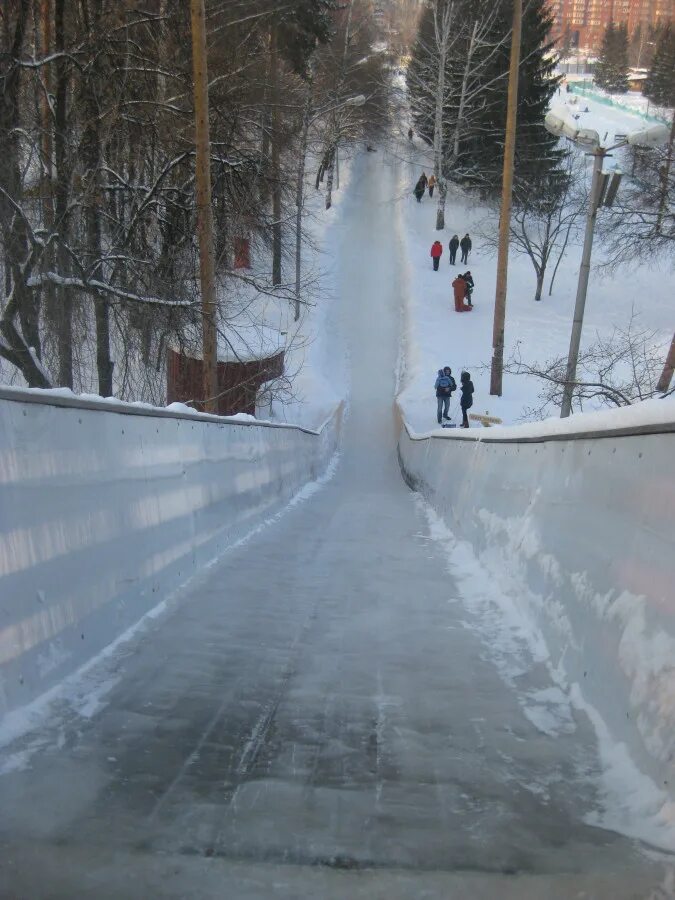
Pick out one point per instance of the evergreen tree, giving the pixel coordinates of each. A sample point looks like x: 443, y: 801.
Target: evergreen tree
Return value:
x: 660, y: 84
x: 611, y: 72
x: 477, y: 156
x: 537, y: 155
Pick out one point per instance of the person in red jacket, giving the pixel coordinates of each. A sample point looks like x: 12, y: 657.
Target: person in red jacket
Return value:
x: 459, y: 287
x: 436, y: 251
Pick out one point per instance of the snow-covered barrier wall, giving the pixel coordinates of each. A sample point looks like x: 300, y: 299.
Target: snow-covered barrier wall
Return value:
x: 106, y: 508
x: 579, y: 528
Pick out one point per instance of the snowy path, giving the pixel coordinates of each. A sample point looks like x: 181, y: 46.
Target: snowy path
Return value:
x: 322, y: 718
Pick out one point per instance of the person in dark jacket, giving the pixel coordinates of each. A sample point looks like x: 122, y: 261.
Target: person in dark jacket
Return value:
x: 436, y: 252
x: 452, y: 247
x: 465, y: 244
x: 468, y: 277
x: 466, y: 401
x: 424, y: 181
x: 419, y: 191
x: 445, y: 384
x: 410, y: 134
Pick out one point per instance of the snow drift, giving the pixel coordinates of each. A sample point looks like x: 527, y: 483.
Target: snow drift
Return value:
x: 576, y: 526
x: 105, y: 508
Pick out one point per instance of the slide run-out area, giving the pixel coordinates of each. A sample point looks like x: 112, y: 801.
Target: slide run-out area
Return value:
x: 323, y: 716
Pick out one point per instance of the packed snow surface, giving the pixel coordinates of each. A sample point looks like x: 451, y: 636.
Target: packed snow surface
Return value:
x: 340, y: 704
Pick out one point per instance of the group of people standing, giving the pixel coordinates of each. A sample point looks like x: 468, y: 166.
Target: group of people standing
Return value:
x: 424, y: 183
x: 445, y: 387
x: 463, y: 287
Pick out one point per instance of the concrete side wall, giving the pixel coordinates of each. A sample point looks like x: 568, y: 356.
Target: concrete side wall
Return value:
x: 103, y: 513
x: 585, y: 529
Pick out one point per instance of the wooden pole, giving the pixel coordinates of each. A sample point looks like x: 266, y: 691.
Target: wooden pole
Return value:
x: 668, y: 368
x: 204, y: 208
x: 505, y: 216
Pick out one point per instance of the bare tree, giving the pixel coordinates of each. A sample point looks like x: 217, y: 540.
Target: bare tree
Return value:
x: 542, y: 225
x: 617, y: 370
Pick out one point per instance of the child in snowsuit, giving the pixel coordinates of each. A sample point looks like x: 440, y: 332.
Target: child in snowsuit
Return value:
x: 459, y: 287
x: 445, y: 385
x: 432, y: 185
x: 436, y: 252
x: 452, y: 247
x: 467, y: 397
x: 465, y: 244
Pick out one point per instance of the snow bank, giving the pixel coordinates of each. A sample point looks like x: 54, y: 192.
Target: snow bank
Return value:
x: 574, y: 522
x: 106, y: 507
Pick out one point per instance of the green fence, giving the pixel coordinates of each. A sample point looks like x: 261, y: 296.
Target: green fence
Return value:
x: 584, y: 89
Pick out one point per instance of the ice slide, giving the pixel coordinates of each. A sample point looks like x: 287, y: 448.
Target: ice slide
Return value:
x: 336, y: 708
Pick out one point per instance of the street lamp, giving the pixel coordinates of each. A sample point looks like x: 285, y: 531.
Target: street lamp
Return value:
x: 560, y: 123
x: 307, y: 120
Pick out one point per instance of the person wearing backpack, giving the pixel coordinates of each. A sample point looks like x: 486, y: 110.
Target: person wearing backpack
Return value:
x: 445, y: 384
x: 436, y: 252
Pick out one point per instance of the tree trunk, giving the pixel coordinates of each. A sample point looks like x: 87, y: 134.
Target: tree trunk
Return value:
x: 21, y: 350
x: 276, y: 164
x: 462, y: 94
x: 47, y: 126
x: 442, y: 37
x: 91, y: 151
x: 329, y: 181
x: 64, y: 332
x: 440, y: 209
x: 665, y: 175
x: 540, y: 283
x: 667, y: 374
x: 299, y: 193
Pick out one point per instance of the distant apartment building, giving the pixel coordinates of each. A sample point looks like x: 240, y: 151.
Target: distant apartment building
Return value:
x: 588, y: 19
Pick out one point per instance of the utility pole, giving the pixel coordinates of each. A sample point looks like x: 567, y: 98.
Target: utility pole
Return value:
x: 505, y: 215
x: 582, y: 286
x: 204, y: 208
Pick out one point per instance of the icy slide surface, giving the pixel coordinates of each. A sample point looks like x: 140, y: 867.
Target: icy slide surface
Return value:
x: 325, y: 716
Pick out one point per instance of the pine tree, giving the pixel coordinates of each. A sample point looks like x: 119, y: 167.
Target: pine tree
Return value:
x: 660, y: 84
x: 611, y: 72
x: 474, y: 147
x: 536, y: 150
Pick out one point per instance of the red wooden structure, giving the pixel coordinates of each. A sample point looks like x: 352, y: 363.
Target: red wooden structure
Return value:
x: 238, y: 382
x: 242, y: 253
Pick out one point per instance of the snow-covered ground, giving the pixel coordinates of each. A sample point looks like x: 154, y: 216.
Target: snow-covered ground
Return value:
x: 339, y: 695
x: 316, y: 369
x: 437, y: 336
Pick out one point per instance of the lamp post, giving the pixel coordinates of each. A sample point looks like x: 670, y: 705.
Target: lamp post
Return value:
x: 307, y: 120
x: 560, y: 123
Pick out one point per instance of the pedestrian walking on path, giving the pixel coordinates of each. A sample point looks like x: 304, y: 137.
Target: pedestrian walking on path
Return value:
x: 432, y: 185
x: 452, y: 247
x: 459, y: 288
x: 419, y: 191
x: 465, y: 244
x: 424, y: 181
x: 445, y: 385
x: 467, y: 397
x: 436, y: 253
